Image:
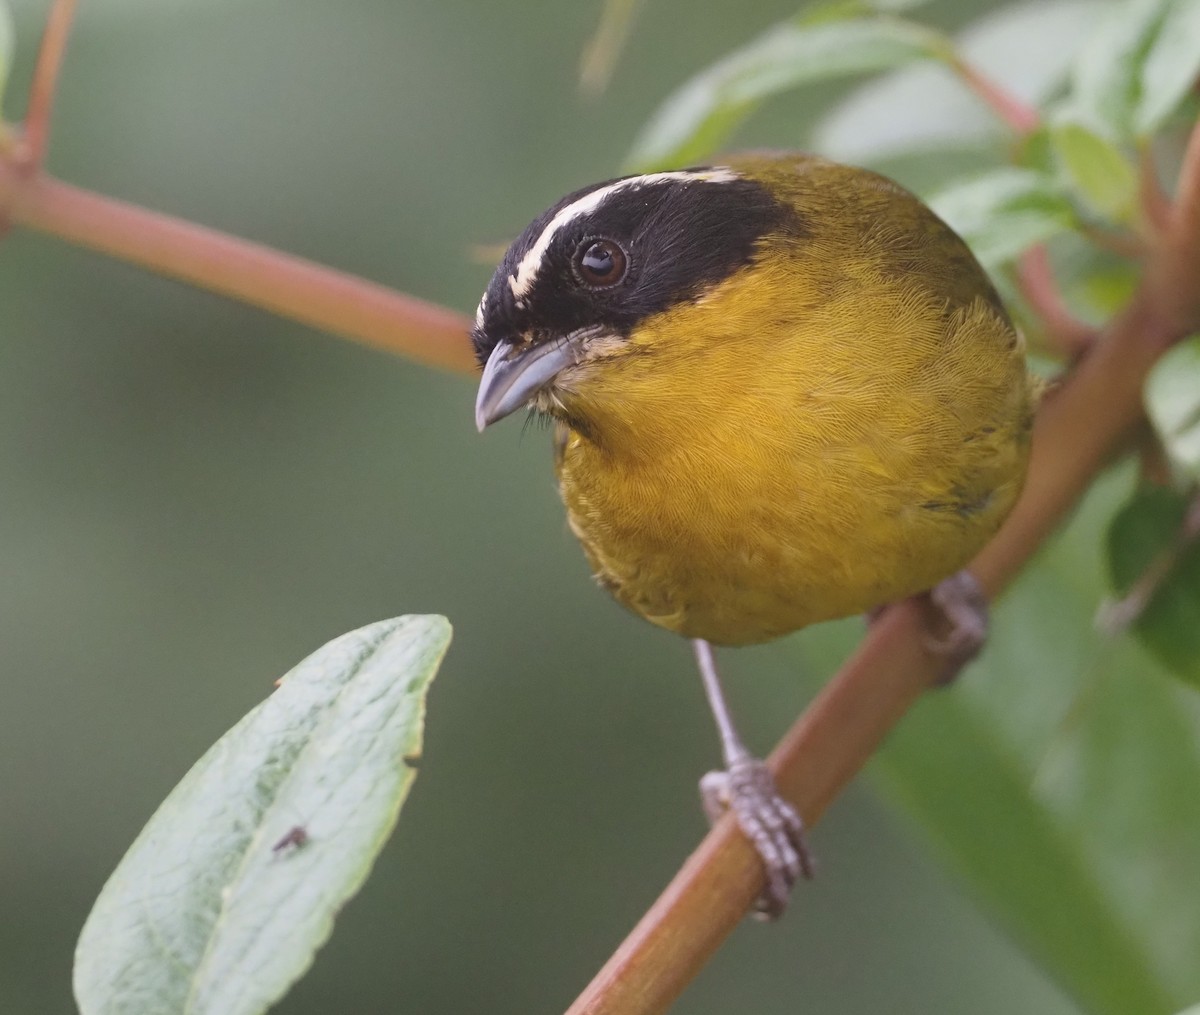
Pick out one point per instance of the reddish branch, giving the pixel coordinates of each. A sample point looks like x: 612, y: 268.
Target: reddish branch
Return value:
x: 1079, y: 429
x: 1175, y: 288
x: 1065, y: 333
x: 45, y: 83
x: 1035, y: 278
x: 1153, y: 200
x: 291, y: 286
x: 1020, y: 117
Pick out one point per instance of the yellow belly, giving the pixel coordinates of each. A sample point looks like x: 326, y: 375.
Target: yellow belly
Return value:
x: 792, y: 497
x: 739, y: 562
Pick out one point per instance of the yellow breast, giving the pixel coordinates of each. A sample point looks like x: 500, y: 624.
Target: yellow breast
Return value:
x: 840, y: 424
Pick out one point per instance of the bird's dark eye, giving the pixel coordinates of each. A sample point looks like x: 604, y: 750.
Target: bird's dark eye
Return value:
x: 600, y: 263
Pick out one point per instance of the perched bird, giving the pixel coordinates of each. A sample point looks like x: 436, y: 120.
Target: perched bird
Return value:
x: 784, y: 391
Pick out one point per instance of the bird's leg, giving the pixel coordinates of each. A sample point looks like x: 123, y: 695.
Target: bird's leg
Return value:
x: 769, y: 822
x: 958, y: 626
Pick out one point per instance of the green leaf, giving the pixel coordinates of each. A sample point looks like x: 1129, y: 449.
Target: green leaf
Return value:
x: 1036, y: 151
x: 1058, y: 775
x: 220, y: 904
x: 8, y: 36
x: 1145, y: 537
x: 1109, y: 286
x: 1004, y: 212
x: 1170, y: 68
x: 701, y: 115
x: 1097, y: 169
x: 1107, y: 74
x: 1173, y: 402
x: 1018, y: 47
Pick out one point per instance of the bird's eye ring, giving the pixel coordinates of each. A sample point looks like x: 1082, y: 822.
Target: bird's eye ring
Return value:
x: 600, y: 263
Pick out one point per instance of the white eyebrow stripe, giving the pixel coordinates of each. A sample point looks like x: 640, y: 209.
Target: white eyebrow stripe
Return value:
x: 527, y: 270
x: 480, y: 312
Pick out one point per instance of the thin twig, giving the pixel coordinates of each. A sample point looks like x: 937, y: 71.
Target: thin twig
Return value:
x: 1020, y: 116
x: 45, y: 84
x: 1154, y: 464
x: 1035, y: 278
x: 1181, y: 240
x: 291, y: 286
x: 1119, y: 242
x: 1184, y: 214
x: 600, y: 55
x: 1154, y: 202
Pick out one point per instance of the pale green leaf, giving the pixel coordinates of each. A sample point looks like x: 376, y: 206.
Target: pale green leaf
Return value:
x: 1171, y: 66
x: 1145, y: 537
x: 694, y: 121
x: 1097, y: 170
x: 1036, y: 151
x: 1173, y: 402
x: 1004, y: 212
x: 1107, y: 74
x: 1019, y: 47
x: 1108, y: 287
x: 220, y: 903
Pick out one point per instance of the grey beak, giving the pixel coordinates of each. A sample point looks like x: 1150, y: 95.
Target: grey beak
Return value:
x: 512, y: 377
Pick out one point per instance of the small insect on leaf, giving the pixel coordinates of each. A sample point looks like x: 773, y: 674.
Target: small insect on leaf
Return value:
x: 295, y: 836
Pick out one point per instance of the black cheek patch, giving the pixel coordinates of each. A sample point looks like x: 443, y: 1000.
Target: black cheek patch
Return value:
x: 698, y: 235
x: 502, y: 317
x: 681, y: 237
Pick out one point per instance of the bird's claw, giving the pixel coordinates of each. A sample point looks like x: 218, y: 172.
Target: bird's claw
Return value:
x: 956, y: 612
x: 963, y: 610
x: 771, y: 824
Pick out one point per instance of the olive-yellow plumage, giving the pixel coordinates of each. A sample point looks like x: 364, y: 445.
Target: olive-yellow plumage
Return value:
x: 839, y: 424
x: 784, y: 391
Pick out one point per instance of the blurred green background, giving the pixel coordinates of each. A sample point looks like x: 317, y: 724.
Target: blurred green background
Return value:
x: 197, y: 495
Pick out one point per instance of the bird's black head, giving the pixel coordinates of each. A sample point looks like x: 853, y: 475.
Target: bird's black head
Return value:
x: 604, y: 258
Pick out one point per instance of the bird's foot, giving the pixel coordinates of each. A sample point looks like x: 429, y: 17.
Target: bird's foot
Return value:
x: 962, y: 623
x: 769, y: 822
x: 956, y: 619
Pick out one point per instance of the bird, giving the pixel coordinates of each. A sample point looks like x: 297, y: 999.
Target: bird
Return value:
x: 783, y: 391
